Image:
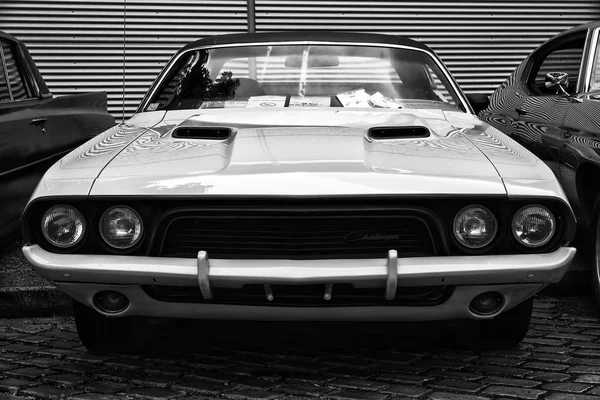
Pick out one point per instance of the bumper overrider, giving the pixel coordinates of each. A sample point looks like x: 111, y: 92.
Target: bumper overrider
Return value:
x: 514, y: 277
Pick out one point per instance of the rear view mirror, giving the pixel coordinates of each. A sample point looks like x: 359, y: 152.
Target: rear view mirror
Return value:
x: 558, y: 81
x: 314, y: 61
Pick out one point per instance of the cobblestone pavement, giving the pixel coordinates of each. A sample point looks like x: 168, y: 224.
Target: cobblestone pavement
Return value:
x: 42, y: 358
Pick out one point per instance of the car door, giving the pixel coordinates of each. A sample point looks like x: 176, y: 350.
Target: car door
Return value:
x: 581, y: 128
x: 36, y: 128
x: 23, y: 141
x: 537, y: 112
x: 582, y: 122
x: 22, y: 136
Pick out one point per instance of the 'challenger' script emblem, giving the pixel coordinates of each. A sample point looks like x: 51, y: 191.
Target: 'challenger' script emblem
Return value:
x: 361, y: 236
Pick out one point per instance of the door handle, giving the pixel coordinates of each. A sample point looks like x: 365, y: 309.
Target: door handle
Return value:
x: 39, y: 122
x: 520, y: 111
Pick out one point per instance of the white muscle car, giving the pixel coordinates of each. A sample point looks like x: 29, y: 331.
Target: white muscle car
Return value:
x: 300, y: 176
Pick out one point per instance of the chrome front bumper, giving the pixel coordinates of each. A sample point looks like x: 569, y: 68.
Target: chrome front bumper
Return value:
x: 517, y: 277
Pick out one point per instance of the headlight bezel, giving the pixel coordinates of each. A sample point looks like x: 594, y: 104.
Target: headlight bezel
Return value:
x: 78, y: 242
x: 138, y: 240
x: 547, y: 242
x: 479, y: 249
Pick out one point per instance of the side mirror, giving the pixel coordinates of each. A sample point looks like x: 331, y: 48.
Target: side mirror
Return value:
x: 558, y: 81
x: 478, y: 101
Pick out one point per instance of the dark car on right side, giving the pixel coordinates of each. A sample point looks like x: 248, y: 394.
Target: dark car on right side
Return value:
x: 551, y: 105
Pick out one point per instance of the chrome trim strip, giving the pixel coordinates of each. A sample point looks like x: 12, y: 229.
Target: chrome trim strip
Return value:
x: 5, y: 72
x: 431, y: 54
x: 35, y: 87
x: 58, y: 155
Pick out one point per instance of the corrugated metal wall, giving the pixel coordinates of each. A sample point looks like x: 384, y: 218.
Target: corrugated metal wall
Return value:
x: 78, y: 44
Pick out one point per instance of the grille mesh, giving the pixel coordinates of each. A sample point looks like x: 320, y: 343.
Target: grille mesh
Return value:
x: 301, y: 236
x: 343, y: 295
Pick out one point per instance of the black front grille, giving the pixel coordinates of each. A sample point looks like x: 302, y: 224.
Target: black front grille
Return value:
x: 343, y: 295
x: 298, y: 235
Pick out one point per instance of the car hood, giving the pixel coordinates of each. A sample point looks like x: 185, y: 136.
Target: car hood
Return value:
x: 331, y: 156
x: 324, y: 152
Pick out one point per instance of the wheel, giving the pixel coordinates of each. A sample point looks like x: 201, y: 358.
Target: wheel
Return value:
x: 101, y: 335
x: 510, y: 327
x: 505, y: 330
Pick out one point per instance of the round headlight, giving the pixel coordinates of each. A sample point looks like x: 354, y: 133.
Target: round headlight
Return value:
x: 475, y: 227
x: 533, y: 226
x: 63, y: 226
x: 121, y: 227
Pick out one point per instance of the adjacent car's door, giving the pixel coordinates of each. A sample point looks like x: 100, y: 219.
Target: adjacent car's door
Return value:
x: 581, y: 124
x: 36, y: 128
x: 23, y: 142
x: 535, y: 113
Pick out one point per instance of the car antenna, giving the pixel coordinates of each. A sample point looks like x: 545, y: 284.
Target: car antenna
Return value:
x: 124, y: 57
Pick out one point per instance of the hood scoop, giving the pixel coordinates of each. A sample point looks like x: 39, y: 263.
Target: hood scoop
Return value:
x: 202, y: 132
x: 398, y: 132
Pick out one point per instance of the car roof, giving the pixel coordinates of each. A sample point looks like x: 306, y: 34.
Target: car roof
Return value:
x: 8, y: 37
x: 595, y: 24
x: 302, y: 36
x: 578, y: 28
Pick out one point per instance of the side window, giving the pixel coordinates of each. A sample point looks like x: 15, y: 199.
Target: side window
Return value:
x: 566, y: 57
x: 18, y: 87
x: 173, y: 86
x: 4, y: 93
x: 438, y: 87
x: 595, y: 73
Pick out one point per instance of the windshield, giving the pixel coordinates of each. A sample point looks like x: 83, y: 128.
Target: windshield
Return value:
x: 304, y: 76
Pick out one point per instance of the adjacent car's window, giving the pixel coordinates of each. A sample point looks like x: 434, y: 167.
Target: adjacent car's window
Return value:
x: 595, y: 73
x: 564, y: 57
x: 16, y: 88
x: 304, y: 76
x: 4, y: 93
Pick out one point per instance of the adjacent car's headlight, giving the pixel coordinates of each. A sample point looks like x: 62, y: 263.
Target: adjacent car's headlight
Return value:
x: 533, y: 225
x: 63, y: 226
x: 475, y: 226
x: 121, y: 227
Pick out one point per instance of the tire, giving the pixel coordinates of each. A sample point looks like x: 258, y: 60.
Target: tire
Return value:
x: 504, y: 331
x: 102, y: 335
x: 510, y: 327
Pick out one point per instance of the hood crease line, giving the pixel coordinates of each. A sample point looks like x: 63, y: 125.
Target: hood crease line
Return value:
x: 487, y: 158
x: 120, y: 151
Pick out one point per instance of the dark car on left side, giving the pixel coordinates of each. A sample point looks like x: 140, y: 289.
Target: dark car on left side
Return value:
x: 36, y: 128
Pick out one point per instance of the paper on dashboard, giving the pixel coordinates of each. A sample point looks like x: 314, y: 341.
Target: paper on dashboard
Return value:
x: 266, y: 101
x: 378, y: 100
x: 354, y: 98
x: 310, y: 101
x: 223, y: 104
